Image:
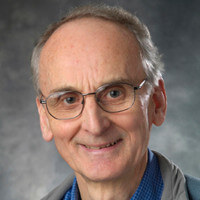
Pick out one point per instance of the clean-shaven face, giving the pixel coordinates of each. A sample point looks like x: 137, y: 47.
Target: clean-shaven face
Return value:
x: 85, y: 54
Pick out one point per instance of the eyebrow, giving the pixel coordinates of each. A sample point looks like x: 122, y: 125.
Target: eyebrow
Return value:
x: 118, y: 80
x: 64, y: 88
x: 113, y: 81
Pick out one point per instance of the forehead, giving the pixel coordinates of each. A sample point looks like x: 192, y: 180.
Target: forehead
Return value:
x: 88, y: 52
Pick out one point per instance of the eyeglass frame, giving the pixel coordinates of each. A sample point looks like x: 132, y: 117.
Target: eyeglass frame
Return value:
x: 101, y: 88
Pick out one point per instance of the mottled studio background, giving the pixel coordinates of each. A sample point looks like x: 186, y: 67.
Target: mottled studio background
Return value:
x: 29, y: 167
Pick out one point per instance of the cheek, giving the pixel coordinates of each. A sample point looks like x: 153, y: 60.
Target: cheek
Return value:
x: 63, y: 131
x: 135, y: 124
x: 135, y: 120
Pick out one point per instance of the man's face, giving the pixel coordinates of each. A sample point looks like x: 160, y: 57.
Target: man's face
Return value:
x: 85, y: 54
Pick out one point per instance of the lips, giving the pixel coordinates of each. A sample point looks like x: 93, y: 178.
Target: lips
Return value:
x: 103, y: 146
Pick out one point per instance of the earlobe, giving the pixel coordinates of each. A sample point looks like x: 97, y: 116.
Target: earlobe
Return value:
x: 160, y: 103
x: 44, y: 122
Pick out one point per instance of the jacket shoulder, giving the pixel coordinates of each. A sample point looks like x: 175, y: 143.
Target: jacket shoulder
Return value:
x: 173, y: 179
x: 59, y: 192
x: 193, y: 187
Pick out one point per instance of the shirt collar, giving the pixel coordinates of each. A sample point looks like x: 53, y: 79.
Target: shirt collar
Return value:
x: 151, y: 185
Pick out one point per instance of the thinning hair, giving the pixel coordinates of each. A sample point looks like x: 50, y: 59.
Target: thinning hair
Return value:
x: 150, y: 57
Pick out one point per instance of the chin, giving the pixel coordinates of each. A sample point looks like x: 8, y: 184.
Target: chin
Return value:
x: 101, y: 173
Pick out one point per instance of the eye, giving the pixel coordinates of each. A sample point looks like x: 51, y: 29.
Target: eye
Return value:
x: 64, y: 99
x: 114, y: 93
x: 70, y: 100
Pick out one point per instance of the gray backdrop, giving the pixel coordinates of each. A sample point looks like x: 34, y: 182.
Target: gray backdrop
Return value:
x: 29, y: 167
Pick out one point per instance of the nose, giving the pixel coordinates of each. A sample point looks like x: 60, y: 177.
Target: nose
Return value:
x: 94, y: 120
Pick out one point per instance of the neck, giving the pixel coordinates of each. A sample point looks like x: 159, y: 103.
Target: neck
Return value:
x: 120, y: 188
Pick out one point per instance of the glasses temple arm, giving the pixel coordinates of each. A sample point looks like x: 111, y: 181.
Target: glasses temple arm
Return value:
x: 140, y: 86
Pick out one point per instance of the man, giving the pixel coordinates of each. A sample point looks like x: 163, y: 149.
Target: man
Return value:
x: 100, y: 89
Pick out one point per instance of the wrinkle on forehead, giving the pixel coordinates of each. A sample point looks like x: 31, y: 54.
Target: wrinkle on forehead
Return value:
x: 86, y: 53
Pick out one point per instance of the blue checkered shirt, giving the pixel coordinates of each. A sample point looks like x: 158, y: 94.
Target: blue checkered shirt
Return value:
x: 150, y: 188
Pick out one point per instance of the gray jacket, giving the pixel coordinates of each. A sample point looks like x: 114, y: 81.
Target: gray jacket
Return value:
x: 173, y: 178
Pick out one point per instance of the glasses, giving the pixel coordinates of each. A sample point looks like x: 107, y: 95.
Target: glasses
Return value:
x: 111, y: 98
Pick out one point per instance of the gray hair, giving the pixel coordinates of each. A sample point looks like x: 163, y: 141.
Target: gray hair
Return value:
x: 150, y: 56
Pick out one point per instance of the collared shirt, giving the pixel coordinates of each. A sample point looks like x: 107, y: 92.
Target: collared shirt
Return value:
x: 150, y: 188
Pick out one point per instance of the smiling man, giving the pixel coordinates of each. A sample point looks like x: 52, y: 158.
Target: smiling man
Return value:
x: 100, y: 89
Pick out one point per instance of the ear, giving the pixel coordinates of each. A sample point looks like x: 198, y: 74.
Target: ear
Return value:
x: 44, y: 122
x: 160, y: 103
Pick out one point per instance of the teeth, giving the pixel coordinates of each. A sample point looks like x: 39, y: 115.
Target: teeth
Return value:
x: 106, y: 146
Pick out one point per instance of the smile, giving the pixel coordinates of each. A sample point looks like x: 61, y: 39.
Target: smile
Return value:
x: 103, y: 146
